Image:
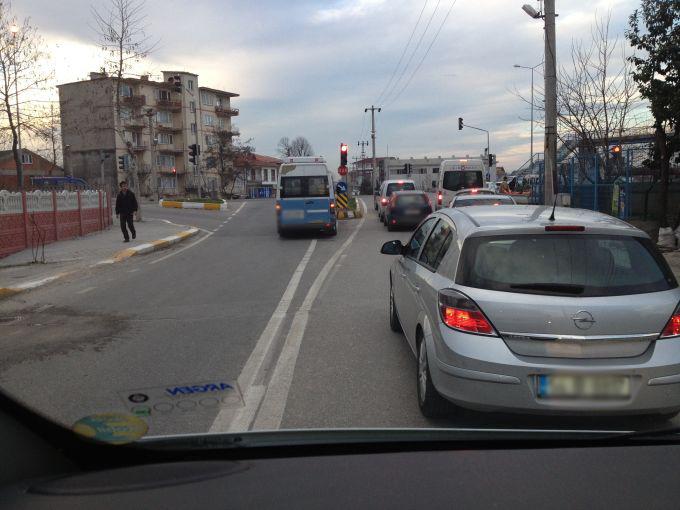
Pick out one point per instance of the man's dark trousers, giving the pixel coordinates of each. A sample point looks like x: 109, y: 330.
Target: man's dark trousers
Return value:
x: 129, y: 220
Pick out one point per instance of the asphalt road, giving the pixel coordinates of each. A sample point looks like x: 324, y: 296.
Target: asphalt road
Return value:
x: 236, y: 329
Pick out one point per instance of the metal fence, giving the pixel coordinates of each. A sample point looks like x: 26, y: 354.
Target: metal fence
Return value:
x: 626, y: 186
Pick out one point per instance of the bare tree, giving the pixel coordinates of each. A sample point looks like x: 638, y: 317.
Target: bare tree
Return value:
x: 300, y: 146
x: 232, y: 159
x: 20, y: 72
x: 47, y: 130
x: 122, y: 32
x: 283, y: 147
x: 597, y: 99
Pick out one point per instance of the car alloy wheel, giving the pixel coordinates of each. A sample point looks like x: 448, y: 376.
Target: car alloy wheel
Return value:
x: 431, y: 403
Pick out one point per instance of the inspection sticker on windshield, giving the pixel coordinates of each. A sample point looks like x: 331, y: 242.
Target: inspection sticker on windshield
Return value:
x: 182, y: 398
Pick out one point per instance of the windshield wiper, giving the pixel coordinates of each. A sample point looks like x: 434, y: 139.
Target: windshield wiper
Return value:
x: 564, y: 288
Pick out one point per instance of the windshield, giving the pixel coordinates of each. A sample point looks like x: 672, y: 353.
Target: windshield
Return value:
x: 399, y: 186
x: 455, y: 180
x: 201, y: 230
x: 586, y: 266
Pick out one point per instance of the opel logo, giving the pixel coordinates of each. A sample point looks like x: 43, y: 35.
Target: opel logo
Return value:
x: 583, y: 319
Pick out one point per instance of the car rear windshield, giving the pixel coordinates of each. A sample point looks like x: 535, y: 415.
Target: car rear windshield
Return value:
x: 399, y: 186
x: 406, y: 200
x: 456, y: 180
x: 571, y: 265
x: 304, y: 186
x: 465, y: 202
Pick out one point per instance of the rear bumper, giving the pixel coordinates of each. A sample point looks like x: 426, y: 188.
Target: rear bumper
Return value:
x: 307, y: 227
x: 405, y: 221
x: 482, y: 373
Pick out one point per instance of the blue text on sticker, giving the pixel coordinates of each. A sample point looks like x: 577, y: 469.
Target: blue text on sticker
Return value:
x: 199, y: 388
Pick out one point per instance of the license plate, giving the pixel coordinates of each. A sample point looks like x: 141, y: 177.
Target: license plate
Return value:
x: 583, y: 386
x: 293, y: 215
x: 412, y: 211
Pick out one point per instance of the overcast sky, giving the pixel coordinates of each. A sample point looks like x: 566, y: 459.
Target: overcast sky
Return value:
x: 309, y: 68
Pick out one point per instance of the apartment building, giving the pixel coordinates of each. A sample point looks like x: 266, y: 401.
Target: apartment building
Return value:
x: 157, y: 123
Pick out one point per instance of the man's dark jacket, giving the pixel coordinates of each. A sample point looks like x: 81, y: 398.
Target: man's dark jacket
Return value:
x: 126, y: 203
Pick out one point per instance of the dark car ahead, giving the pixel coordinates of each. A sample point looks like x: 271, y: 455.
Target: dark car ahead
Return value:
x: 407, y: 209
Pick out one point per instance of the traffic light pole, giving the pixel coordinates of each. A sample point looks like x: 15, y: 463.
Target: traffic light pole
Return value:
x: 488, y: 150
x: 375, y: 164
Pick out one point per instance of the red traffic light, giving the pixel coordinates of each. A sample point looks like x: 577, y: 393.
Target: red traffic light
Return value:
x: 616, y: 149
x: 174, y: 170
x: 343, y: 147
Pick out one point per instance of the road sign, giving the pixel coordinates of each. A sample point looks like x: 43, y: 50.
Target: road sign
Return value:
x: 341, y: 187
x: 342, y: 170
x: 342, y: 200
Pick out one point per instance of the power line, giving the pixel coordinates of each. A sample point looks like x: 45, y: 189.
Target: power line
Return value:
x: 401, y: 58
x: 427, y: 51
x: 415, y: 50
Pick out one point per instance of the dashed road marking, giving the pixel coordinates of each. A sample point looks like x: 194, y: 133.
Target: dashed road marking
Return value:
x: 85, y: 290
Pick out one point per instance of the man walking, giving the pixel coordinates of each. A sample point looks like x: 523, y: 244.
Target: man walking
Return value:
x: 126, y: 206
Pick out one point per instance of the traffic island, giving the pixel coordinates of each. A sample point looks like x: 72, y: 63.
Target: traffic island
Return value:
x: 195, y: 203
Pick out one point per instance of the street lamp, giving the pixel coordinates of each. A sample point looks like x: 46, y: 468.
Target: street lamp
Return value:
x: 532, y: 108
x: 550, y: 75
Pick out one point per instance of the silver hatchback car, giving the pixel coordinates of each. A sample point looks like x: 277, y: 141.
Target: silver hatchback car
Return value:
x: 508, y: 309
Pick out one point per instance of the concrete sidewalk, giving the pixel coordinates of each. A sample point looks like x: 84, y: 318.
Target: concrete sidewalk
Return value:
x: 19, y: 271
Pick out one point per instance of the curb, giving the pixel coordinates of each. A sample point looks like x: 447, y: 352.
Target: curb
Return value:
x: 145, y: 248
x: 193, y: 205
x: 118, y: 257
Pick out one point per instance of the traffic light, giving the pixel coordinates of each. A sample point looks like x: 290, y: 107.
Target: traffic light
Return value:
x: 121, y: 162
x: 343, y: 154
x: 460, y: 123
x: 174, y: 171
x: 490, y: 160
x: 194, y: 151
x: 615, y: 151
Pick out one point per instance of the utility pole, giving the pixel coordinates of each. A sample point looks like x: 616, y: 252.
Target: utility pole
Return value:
x: 375, y: 164
x: 550, y: 149
x: 363, y: 144
x: 152, y: 147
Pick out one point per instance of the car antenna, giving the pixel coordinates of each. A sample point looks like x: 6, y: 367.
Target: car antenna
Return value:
x: 552, y: 214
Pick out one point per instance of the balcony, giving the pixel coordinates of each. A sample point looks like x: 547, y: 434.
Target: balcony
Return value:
x: 168, y: 129
x: 166, y: 104
x: 221, y: 111
x: 133, y: 100
x: 233, y: 131
x: 134, y: 122
x: 139, y: 147
x: 169, y: 149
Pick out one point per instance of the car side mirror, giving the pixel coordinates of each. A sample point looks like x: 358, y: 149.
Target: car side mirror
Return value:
x: 376, y: 193
x: 392, y: 248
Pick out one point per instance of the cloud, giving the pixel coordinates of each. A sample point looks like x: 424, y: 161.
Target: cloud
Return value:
x: 346, y: 11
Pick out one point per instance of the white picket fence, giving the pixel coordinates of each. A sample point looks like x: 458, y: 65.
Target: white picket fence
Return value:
x: 41, y: 201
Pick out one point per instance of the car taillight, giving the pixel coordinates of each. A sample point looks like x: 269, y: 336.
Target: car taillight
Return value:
x: 673, y: 326
x: 440, y: 197
x: 459, y: 312
x: 277, y: 207
x: 565, y: 228
x: 332, y: 204
x: 383, y: 201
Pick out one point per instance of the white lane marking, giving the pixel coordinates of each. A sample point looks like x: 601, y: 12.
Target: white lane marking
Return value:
x: 172, y: 254
x: 166, y: 221
x: 133, y: 270
x: 85, y: 290
x: 253, y: 366
x: 237, y: 210
x: 270, y: 414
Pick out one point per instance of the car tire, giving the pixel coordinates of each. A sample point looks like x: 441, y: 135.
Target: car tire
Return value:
x: 431, y: 403
x: 334, y: 230
x: 395, y: 325
x: 390, y: 227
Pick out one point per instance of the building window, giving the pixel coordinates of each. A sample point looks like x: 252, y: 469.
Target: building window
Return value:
x: 125, y: 113
x: 207, y: 99
x: 221, y: 123
x: 265, y: 174
x: 252, y: 174
x: 435, y: 170
x: 190, y: 84
x: 192, y: 106
x: 165, y: 160
x: 163, y: 117
x: 208, y: 120
x: 193, y: 127
x: 165, y: 138
x: 162, y: 95
x: 26, y: 158
x: 210, y: 140
x: 136, y: 138
x: 125, y: 90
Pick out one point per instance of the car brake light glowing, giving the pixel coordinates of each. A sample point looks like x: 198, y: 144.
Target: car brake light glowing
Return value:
x: 400, y: 182
x: 277, y: 207
x: 461, y: 313
x: 332, y: 205
x: 673, y: 326
x: 564, y: 228
x: 440, y: 197
x: 394, y: 222
x: 383, y: 201
x: 474, y: 190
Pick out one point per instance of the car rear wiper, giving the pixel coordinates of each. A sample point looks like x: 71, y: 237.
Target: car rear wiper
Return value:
x: 565, y: 288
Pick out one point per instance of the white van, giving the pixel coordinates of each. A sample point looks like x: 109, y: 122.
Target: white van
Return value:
x: 305, y: 198
x: 459, y: 174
